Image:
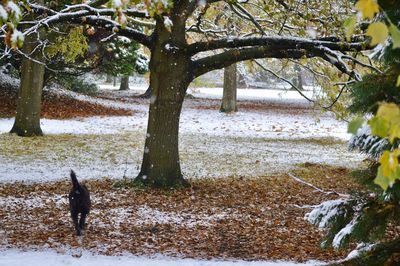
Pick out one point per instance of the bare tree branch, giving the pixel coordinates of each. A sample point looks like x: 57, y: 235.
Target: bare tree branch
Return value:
x: 224, y: 59
x: 285, y: 80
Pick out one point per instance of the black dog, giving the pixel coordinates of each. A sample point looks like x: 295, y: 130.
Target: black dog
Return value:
x: 79, y: 203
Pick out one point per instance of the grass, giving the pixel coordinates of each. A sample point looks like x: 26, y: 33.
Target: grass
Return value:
x: 202, y: 83
x: 64, y: 146
x: 329, y: 141
x: 328, y: 176
x: 201, y: 156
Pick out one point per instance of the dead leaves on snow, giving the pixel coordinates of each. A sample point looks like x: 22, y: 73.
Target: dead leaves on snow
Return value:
x: 224, y: 218
x: 56, y: 106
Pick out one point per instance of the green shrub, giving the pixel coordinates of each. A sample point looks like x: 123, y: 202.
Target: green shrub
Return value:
x: 77, y: 85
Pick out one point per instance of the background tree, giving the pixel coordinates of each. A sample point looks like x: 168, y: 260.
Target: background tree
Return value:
x: 122, y: 57
x: 27, y: 117
x: 229, y: 97
x: 67, y: 54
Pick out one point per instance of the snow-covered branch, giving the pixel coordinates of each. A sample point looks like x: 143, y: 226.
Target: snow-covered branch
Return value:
x: 86, y: 14
x: 283, y: 42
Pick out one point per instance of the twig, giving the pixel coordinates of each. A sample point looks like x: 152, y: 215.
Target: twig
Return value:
x: 331, y: 192
x: 126, y: 168
x: 304, y: 206
x: 285, y: 80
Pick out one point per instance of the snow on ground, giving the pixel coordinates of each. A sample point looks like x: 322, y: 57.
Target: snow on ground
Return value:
x: 242, y: 94
x: 212, y: 144
x: 210, y: 122
x: 12, y: 257
x: 252, y: 94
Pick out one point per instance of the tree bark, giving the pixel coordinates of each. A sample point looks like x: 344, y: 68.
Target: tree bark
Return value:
x: 109, y: 79
x: 27, y: 119
x: 299, y: 73
x: 124, y: 83
x: 170, y: 76
x: 230, y: 90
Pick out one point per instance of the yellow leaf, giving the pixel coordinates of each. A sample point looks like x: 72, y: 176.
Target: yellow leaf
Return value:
x: 385, y: 165
x: 389, y: 111
x: 389, y: 162
x: 368, y: 8
x: 378, y: 31
x: 394, y: 132
x: 381, y: 180
x: 350, y: 25
x: 398, y: 81
x: 395, y: 33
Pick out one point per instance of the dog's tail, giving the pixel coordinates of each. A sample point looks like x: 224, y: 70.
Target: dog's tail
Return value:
x: 74, y: 180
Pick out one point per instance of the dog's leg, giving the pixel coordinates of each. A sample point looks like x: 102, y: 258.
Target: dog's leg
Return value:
x: 82, y: 221
x: 74, y: 216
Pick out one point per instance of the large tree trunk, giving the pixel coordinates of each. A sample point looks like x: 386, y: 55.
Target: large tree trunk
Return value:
x: 169, y: 80
x: 27, y: 119
x: 124, y: 83
x: 230, y: 89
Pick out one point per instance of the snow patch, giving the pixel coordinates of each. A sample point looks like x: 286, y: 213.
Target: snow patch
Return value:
x: 323, y: 213
x: 359, y: 250
x: 14, y: 257
x: 147, y: 215
x: 15, y: 9
x: 3, y: 13
x: 344, y: 233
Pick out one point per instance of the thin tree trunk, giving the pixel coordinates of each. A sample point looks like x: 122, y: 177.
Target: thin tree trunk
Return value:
x: 27, y: 119
x: 299, y: 77
x: 124, y: 83
x: 300, y: 80
x: 229, y: 98
x: 109, y: 78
